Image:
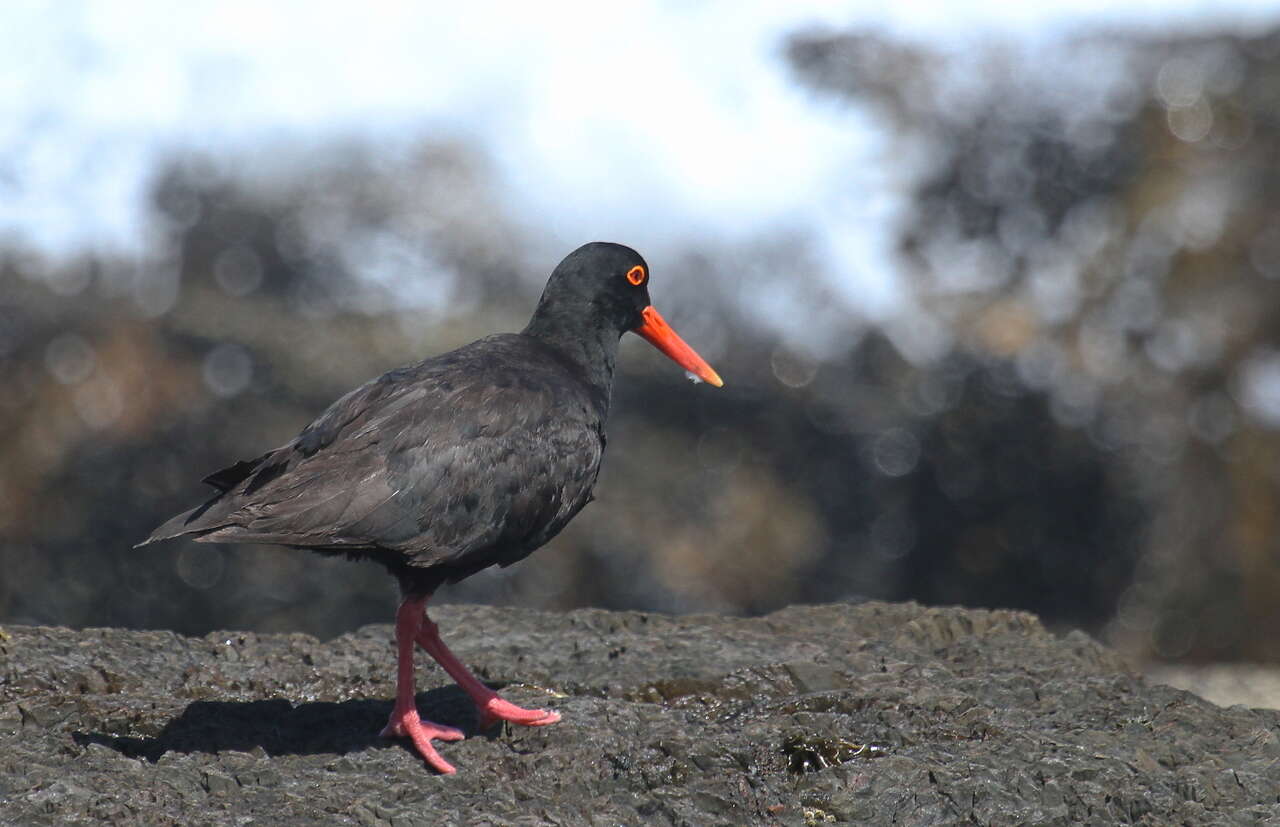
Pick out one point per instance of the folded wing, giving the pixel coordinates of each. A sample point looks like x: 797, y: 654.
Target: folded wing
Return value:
x: 428, y: 460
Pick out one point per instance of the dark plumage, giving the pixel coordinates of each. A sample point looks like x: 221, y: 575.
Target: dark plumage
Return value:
x: 437, y: 469
x: 462, y: 461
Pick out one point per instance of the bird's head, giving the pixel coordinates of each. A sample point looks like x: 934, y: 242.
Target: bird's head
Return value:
x: 607, y: 285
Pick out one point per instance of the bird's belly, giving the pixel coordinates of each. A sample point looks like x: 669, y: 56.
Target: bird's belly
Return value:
x: 499, y: 524
x: 531, y: 525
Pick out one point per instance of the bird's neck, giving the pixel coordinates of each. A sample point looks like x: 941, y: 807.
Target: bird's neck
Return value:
x: 592, y: 349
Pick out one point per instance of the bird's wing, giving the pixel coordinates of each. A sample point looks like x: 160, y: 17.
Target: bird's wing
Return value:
x: 238, y: 485
x: 436, y: 461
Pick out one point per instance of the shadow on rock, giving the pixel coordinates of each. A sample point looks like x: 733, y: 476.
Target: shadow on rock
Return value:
x: 280, y: 728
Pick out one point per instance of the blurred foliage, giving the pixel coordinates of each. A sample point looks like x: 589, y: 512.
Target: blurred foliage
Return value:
x: 1077, y: 414
x: 1101, y: 222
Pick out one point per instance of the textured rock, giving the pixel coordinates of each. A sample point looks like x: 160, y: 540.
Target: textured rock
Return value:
x: 810, y: 715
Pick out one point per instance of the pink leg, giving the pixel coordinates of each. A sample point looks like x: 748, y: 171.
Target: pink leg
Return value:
x: 404, y: 716
x: 492, y: 708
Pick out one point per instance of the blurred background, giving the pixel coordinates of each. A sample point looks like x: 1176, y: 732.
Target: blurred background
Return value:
x: 995, y: 293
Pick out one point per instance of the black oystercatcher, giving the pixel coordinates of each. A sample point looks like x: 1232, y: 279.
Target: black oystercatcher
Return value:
x: 466, y: 460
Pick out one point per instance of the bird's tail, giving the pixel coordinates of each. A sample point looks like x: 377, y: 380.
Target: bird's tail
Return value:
x: 178, y: 526
x: 188, y: 523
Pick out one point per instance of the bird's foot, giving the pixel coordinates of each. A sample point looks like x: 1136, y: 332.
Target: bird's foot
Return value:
x: 496, y: 709
x: 408, y: 724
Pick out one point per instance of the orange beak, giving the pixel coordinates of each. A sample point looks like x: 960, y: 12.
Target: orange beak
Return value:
x: 658, y: 333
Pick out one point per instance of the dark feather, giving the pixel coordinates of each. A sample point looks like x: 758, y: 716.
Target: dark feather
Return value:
x: 483, y: 454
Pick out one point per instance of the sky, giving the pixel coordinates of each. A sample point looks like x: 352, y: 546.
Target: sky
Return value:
x: 647, y: 123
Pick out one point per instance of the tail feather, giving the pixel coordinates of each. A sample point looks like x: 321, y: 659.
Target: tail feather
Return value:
x: 175, y: 527
x: 188, y: 523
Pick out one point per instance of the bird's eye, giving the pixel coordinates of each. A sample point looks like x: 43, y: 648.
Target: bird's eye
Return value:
x: 636, y: 275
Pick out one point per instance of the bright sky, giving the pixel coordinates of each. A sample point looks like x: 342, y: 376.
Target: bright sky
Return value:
x: 648, y: 123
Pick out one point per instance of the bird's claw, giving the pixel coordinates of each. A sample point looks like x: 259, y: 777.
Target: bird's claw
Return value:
x: 421, y: 733
x: 496, y: 709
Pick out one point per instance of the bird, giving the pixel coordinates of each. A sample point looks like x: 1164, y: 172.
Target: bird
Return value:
x: 445, y: 467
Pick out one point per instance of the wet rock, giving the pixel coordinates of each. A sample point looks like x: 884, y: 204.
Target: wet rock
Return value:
x: 811, y: 715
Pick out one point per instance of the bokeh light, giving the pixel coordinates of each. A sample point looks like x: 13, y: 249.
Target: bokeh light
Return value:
x: 997, y: 311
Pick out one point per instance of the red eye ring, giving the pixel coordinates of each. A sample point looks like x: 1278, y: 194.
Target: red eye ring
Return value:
x: 636, y: 275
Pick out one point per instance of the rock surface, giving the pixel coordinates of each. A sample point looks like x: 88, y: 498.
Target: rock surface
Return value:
x: 873, y: 713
